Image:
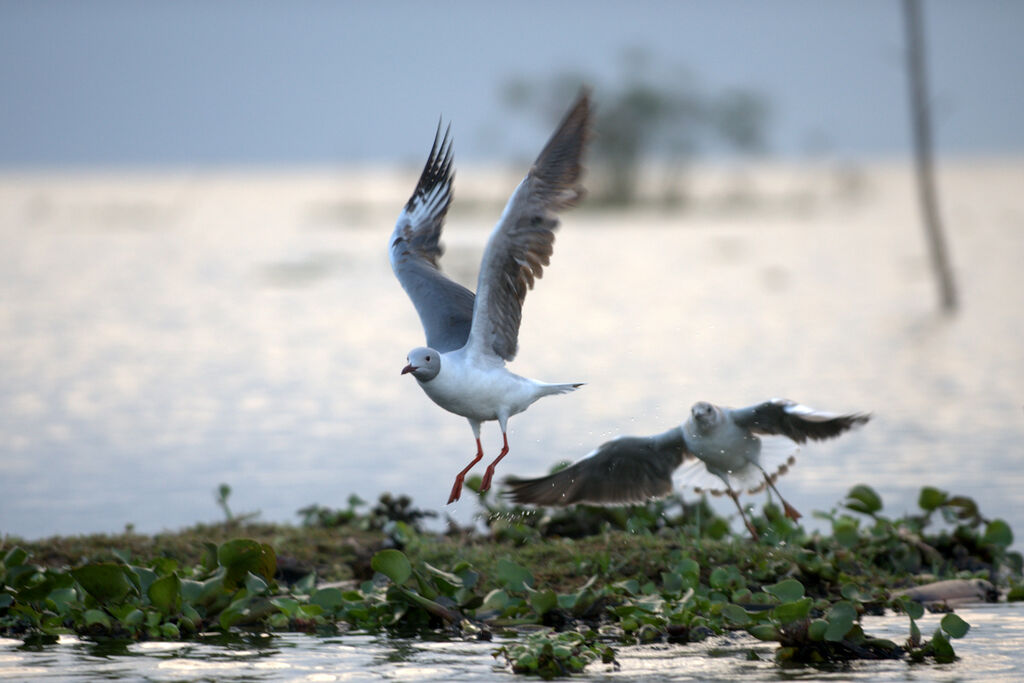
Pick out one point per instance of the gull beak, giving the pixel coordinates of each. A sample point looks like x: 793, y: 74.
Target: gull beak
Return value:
x: 409, y: 368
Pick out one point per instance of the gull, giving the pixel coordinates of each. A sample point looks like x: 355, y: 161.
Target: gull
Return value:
x: 470, y: 337
x: 724, y: 441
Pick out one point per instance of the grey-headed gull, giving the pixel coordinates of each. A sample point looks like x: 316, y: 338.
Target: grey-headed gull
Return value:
x: 725, y: 441
x: 469, y: 338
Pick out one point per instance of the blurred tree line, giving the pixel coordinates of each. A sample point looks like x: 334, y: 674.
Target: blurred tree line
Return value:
x: 651, y: 114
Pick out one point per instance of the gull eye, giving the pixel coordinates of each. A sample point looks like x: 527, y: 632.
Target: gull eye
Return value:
x: 428, y: 359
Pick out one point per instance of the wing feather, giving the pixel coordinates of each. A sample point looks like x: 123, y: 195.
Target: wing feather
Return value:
x: 523, y: 240
x: 629, y: 469
x: 797, y: 422
x: 445, y: 308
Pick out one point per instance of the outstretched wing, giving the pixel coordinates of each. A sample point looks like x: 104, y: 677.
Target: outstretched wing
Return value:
x: 444, y: 306
x: 795, y: 421
x: 522, y: 242
x: 629, y: 469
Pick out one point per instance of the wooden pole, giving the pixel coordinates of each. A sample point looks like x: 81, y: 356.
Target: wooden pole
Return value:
x: 921, y: 125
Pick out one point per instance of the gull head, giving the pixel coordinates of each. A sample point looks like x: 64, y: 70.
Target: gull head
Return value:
x: 705, y: 415
x: 424, y: 363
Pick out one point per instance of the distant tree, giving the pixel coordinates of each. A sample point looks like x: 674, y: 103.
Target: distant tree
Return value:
x: 650, y: 114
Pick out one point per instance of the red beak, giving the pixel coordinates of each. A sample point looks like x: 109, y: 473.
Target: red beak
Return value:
x: 408, y: 368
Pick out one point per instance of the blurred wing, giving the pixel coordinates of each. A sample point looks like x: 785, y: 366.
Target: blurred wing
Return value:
x: 522, y: 242
x: 628, y: 469
x: 795, y: 421
x: 445, y: 307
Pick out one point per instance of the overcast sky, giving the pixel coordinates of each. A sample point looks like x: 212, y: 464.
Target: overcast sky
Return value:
x: 200, y: 82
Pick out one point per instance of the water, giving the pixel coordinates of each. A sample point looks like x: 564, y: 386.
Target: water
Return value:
x: 989, y: 652
x: 162, y: 334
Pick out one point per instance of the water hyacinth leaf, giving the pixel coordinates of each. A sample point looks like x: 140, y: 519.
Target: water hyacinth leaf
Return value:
x: 998, y: 532
x: 913, y: 608
x: 497, y: 599
x: 328, y: 598
x: 672, y: 582
x: 845, y: 532
x: 190, y: 590
x: 254, y: 585
x: 165, y: 594
x: 954, y: 625
x: 960, y: 507
x: 763, y: 631
x: 735, y: 614
x: 862, y: 498
x: 788, y: 590
x: 241, y: 556
x: 931, y: 498
x: 15, y: 557
x: 840, y: 620
x: 816, y: 629
x: 941, y: 648
x: 543, y: 601
x: 392, y: 564
x: 95, y: 617
x: 106, y: 582
x: 792, y: 611
x: 451, y: 579
x: 513, y: 576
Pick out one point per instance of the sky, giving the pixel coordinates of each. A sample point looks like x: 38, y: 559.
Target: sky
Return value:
x: 195, y: 83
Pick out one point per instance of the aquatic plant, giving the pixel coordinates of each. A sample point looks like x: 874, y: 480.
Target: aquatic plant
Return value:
x: 643, y: 575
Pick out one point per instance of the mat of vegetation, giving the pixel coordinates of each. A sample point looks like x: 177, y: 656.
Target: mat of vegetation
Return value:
x: 569, y: 587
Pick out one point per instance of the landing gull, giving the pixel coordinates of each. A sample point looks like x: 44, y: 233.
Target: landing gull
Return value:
x: 726, y: 443
x: 469, y: 338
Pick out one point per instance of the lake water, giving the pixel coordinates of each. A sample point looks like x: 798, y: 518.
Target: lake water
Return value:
x: 989, y: 652
x: 163, y: 333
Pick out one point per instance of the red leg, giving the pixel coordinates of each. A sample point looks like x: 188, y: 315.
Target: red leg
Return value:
x: 750, y: 527
x: 457, y: 487
x: 486, y: 484
x: 791, y: 512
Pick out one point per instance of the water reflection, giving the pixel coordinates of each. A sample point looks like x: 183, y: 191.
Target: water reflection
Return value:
x: 236, y: 335
x: 989, y: 652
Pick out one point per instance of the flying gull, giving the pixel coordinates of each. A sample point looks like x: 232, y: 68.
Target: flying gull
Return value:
x: 469, y: 338
x: 724, y: 441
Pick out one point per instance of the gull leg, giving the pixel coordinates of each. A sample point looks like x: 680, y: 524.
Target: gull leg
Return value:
x: 791, y: 512
x: 486, y: 484
x: 457, y: 487
x: 750, y: 527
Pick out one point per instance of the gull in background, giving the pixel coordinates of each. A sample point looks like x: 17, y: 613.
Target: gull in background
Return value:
x: 469, y: 338
x: 724, y: 441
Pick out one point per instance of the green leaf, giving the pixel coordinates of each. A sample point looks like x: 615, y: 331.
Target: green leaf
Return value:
x: 862, y: 498
x: 513, y: 576
x: 165, y: 594
x: 328, y: 598
x: 954, y: 625
x: 840, y: 620
x: 941, y: 649
x: 817, y: 629
x: 106, y: 582
x: 845, y: 532
x: 15, y: 557
x: 241, y: 556
x: 93, y: 617
x: 931, y: 498
x: 392, y: 564
x: 998, y: 533
x: 788, y: 590
x: 764, y: 631
x: 913, y: 608
x: 543, y: 601
x: 792, y: 611
x: 735, y: 614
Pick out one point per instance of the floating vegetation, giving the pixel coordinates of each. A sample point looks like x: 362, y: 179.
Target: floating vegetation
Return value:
x: 567, y: 587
